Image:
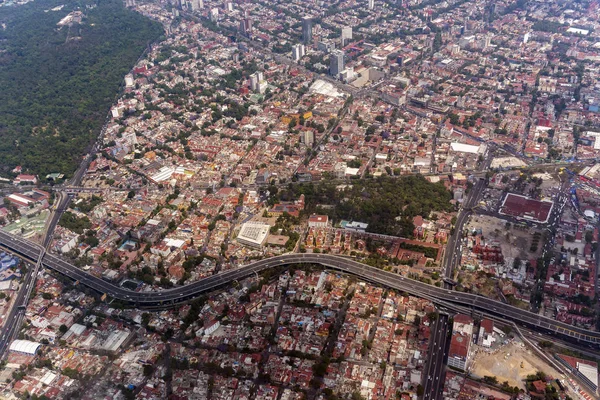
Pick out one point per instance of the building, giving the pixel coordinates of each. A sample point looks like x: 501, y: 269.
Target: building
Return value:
x: 24, y: 347
x: 257, y: 82
x: 309, y: 137
x: 326, y: 46
x: 371, y: 4
x: 246, y: 26
x: 336, y: 63
x: 298, y: 51
x: 25, y: 179
x: 586, y: 371
x: 318, y: 221
x: 354, y: 226
x: 214, y: 14
x: 281, y: 208
x: 486, y: 333
x: 307, y: 30
x: 522, y: 207
x: 253, y: 234
x: 129, y: 82
x: 346, y: 35
x: 460, y: 344
x: 196, y: 5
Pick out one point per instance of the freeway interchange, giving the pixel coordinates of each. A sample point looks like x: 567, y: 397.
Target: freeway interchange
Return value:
x: 172, y: 297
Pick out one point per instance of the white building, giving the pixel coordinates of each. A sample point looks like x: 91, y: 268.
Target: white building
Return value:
x: 24, y: 347
x: 129, y: 82
x: 257, y: 82
x: 346, y: 35
x: 253, y: 234
x: 298, y: 51
x: 214, y: 14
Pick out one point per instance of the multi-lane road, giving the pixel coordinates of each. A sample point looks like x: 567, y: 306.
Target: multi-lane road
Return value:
x: 172, y: 297
x: 452, y: 254
x: 438, y: 349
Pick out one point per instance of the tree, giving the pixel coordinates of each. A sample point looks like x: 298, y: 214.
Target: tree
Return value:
x: 63, y: 328
x: 69, y: 74
x: 131, y: 194
x: 148, y: 370
x: 420, y: 390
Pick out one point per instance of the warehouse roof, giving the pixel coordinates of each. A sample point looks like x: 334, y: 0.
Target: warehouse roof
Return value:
x: 24, y: 346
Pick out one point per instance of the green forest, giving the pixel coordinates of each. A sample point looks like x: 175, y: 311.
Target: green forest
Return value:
x: 58, y: 83
x: 387, y: 204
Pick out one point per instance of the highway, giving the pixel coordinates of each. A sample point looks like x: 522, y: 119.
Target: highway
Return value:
x: 438, y: 347
x: 14, y: 319
x: 172, y: 297
x: 453, y: 252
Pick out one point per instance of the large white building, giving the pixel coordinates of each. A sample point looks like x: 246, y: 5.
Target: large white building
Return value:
x: 253, y: 234
x: 24, y: 347
x: 346, y: 35
x: 257, y: 82
x: 298, y: 51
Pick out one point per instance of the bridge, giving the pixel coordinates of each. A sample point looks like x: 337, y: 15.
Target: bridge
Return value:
x: 172, y: 297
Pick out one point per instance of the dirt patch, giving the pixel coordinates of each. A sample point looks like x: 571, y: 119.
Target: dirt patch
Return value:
x: 508, y: 368
x: 515, y: 241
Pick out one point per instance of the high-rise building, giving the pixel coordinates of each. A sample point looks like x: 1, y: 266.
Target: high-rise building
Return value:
x: 371, y: 4
x: 195, y: 5
x: 214, y: 14
x: 246, y: 26
x: 298, y: 51
x: 487, y: 42
x: 336, y: 63
x: 257, y: 82
x: 309, y: 137
x: 460, y: 343
x: 346, y: 35
x: 307, y: 30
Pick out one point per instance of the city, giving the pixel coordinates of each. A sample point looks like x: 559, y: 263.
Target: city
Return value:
x: 361, y: 199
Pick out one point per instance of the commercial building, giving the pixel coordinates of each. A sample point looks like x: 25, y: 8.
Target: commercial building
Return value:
x: 307, y: 30
x: 460, y: 344
x: 24, y: 347
x: 523, y: 207
x: 336, y: 63
x: 253, y: 234
x: 346, y: 35
x: 246, y: 26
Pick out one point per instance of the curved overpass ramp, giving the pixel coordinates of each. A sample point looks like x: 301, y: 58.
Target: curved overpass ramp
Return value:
x: 172, y: 297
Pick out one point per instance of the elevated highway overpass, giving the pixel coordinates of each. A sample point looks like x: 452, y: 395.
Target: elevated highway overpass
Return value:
x: 172, y: 297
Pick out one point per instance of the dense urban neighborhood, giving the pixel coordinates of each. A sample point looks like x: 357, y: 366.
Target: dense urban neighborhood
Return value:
x: 455, y: 144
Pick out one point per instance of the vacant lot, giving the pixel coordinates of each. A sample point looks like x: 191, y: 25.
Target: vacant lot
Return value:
x: 509, y: 368
x: 515, y: 241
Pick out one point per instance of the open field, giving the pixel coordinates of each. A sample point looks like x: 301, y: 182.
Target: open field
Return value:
x: 509, y: 368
